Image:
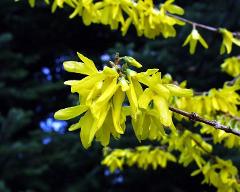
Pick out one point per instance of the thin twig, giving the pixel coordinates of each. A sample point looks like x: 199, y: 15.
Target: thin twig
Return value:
x: 200, y: 146
x: 193, y: 23
x: 232, y: 116
x: 215, y: 124
x: 207, y: 27
x: 232, y: 82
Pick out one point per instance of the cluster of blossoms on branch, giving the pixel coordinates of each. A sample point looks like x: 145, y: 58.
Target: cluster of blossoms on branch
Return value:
x: 218, y: 104
x: 232, y: 66
x: 108, y: 96
x: 150, y: 20
x: 184, y: 148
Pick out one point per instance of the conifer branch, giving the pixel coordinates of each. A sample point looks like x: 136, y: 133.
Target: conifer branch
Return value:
x: 213, y: 123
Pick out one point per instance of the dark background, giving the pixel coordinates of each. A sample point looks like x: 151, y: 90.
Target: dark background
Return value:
x: 36, y: 152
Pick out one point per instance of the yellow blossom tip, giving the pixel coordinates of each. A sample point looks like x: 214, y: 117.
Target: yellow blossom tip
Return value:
x: 132, y: 61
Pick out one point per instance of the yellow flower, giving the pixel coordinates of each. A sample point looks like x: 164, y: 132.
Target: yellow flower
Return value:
x: 192, y: 39
x: 228, y: 40
x: 231, y: 66
x: 102, y: 94
x: 132, y: 61
x: 174, y: 9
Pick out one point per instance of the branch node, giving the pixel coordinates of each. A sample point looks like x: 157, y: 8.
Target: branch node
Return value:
x: 193, y: 116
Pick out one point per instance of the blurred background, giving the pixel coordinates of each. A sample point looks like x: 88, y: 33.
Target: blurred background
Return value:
x: 37, y: 153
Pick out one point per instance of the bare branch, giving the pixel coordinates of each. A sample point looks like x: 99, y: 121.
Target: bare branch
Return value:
x: 207, y: 27
x: 196, y: 117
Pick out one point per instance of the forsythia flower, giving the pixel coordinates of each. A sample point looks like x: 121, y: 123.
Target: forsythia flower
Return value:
x: 221, y: 174
x: 231, y: 66
x: 192, y: 39
x: 142, y: 156
x: 225, y: 100
x: 148, y: 20
x: 228, y: 40
x: 102, y: 96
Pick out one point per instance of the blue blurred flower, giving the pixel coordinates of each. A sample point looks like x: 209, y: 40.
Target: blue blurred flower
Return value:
x: 50, y: 124
x: 118, y: 180
x: 46, y: 140
x: 105, y: 57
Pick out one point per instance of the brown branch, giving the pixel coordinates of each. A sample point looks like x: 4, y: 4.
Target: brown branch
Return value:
x: 196, y: 117
x: 207, y: 27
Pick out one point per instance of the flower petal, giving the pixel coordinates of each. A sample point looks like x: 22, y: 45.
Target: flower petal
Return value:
x: 70, y: 112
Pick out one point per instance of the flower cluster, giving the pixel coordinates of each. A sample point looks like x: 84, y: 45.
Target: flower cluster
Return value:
x: 142, y: 156
x: 211, y: 105
x: 192, y: 39
x: 222, y: 174
x: 232, y: 66
x: 208, y: 104
x: 190, y: 148
x: 228, y: 41
x: 147, y: 18
x: 104, y: 96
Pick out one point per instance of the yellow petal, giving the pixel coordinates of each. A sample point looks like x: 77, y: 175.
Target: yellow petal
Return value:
x: 103, y: 134
x: 70, y: 112
x: 97, y: 124
x: 162, y: 108
x: 126, y: 25
x: 76, y: 11
x: 32, y: 3
x: 178, y: 91
x: 156, y: 129
x: 88, y: 62
x: 137, y: 123
x: 174, y: 9
x: 74, y: 127
x: 93, y: 93
x: 77, y: 67
x: 123, y: 83
x: 86, y: 17
x: 134, y: 88
x: 203, y: 42
x: 195, y: 34
x: 161, y: 90
x: 145, y: 127
x: 86, y: 123
x: 187, y: 40
x: 137, y: 86
x: 105, y: 97
x: 86, y: 83
x: 236, y: 41
x: 117, y: 102
x: 145, y: 98
x: 110, y: 71
x: 132, y: 61
x: 227, y: 41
